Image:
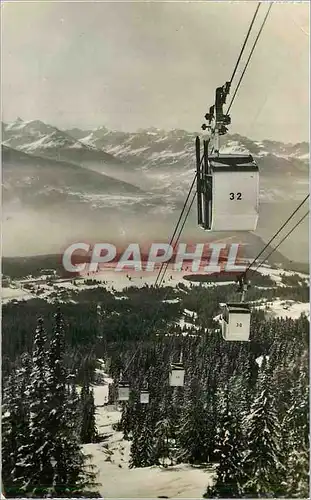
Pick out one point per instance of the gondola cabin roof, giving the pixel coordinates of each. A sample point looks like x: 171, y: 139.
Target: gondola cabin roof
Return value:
x: 238, y: 308
x: 177, y: 366
x: 124, y: 383
x: 234, y: 162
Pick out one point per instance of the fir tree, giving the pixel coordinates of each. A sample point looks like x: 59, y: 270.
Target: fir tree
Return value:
x: 263, y: 463
x: 10, y: 432
x: 192, y: 431
x: 142, y: 449
x: 18, y: 421
x: 296, y: 425
x: 71, y: 472
x: 34, y: 466
x: 229, y: 451
x: 162, y: 441
x: 88, y: 432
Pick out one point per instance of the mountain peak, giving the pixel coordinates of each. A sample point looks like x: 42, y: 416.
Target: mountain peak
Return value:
x: 16, y: 124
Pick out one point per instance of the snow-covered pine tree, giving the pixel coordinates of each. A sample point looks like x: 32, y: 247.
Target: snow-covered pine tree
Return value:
x: 298, y: 474
x: 125, y: 423
x: 193, y: 427
x: 263, y: 464
x: 10, y: 433
x: 72, y: 474
x: 142, y: 448
x: 238, y: 395
x: 88, y: 431
x: 162, y: 442
x: 16, y: 421
x: 230, y: 453
x: 211, y: 418
x: 296, y: 426
x: 134, y: 450
x: 33, y: 468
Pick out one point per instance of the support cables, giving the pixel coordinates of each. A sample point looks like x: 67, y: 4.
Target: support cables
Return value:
x: 245, y: 42
x: 176, y: 228
x: 160, y: 280
x: 178, y: 236
x: 249, y: 58
x: 282, y: 241
x: 277, y: 233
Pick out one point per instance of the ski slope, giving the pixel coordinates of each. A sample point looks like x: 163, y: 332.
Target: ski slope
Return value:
x: 112, y: 456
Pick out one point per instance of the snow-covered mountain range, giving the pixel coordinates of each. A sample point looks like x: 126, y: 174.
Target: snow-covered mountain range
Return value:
x: 137, y: 180
x: 156, y: 146
x: 150, y: 147
x: 166, y: 159
x: 38, y: 138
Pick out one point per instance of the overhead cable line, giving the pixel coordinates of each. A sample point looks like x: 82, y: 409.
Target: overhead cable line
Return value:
x: 178, y: 236
x: 162, y: 265
x: 178, y: 222
x: 282, y: 241
x: 245, y: 42
x: 249, y: 58
x: 277, y: 233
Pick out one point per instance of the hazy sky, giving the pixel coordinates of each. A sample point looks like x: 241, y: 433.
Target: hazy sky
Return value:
x: 133, y: 65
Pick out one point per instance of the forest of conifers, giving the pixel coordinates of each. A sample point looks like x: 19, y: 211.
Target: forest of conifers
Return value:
x: 249, y: 419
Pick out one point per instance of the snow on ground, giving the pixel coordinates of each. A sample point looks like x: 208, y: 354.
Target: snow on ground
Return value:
x: 8, y: 294
x: 260, y: 360
x: 275, y: 274
x: 192, y: 314
x: 185, y: 324
x: 115, y: 281
x: 118, y: 481
x: 279, y: 309
x: 286, y: 308
x: 119, y: 280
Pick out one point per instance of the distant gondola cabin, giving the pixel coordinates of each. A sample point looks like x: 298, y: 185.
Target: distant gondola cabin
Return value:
x: 177, y: 375
x: 123, y: 392
x: 236, y: 320
x: 144, y: 397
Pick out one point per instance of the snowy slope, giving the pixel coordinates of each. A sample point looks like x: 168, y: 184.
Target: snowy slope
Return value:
x: 118, y: 281
x: 285, y: 309
x: 118, y: 481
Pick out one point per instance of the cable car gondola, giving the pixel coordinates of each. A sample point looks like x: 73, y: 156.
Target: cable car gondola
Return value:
x: 177, y: 375
x: 231, y: 197
x: 228, y: 192
x: 227, y: 184
x: 236, y: 316
x: 123, y: 391
x: 236, y: 319
x: 144, y: 397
